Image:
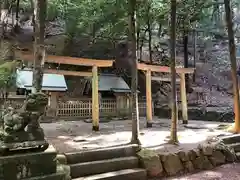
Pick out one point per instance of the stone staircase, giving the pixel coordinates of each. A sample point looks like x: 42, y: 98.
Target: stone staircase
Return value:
x: 233, y: 141
x: 115, y: 163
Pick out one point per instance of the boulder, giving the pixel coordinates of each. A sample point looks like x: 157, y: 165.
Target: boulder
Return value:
x: 64, y: 169
x: 183, y: 155
x: 218, y: 158
x: 206, y: 149
x: 173, y: 164
x: 229, y: 154
x: 188, y: 166
x: 202, y: 163
x: 193, y: 154
x: 61, y: 158
x: 151, y: 162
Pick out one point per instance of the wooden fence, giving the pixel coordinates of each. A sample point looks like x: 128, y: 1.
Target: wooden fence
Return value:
x: 83, y: 107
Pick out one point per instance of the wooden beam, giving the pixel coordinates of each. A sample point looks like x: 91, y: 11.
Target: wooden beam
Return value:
x: 184, y: 99
x: 95, y: 103
x: 27, y: 56
x: 164, y: 79
x: 155, y: 68
x: 149, y: 98
x: 68, y: 73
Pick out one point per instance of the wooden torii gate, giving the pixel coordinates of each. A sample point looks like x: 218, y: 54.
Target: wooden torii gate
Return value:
x: 94, y: 63
x: 148, y: 69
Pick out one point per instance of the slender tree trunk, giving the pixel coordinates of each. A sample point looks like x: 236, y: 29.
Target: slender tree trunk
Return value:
x: 149, y: 33
x: 159, y: 30
x: 194, y: 53
x: 232, y: 50
x: 138, y: 42
x: 185, y: 47
x: 174, y: 138
x: 40, y: 7
x: 17, y: 12
x: 142, y: 43
x: 134, y: 83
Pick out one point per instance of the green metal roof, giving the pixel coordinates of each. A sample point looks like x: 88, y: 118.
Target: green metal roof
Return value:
x: 51, y: 82
x: 112, y: 83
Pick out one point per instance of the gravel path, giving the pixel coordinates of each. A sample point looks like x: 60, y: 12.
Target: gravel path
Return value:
x: 69, y: 136
x: 224, y: 172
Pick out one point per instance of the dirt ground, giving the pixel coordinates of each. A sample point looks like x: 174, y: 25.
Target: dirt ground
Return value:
x: 224, y: 172
x: 69, y: 136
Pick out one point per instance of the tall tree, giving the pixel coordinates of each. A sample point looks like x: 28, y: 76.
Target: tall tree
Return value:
x: 232, y: 56
x: 40, y: 8
x: 149, y: 28
x: 133, y: 59
x: 174, y: 138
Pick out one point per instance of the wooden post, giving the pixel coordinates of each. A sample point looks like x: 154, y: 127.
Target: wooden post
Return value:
x: 149, y: 98
x: 53, y: 104
x: 184, y: 99
x: 95, y: 103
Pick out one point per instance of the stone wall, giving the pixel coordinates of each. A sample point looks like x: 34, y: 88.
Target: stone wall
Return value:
x: 197, y: 113
x: 206, y: 156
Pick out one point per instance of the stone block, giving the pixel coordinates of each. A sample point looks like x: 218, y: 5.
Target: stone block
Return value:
x: 64, y: 169
x: 218, y: 158
x: 56, y: 176
x: 183, y: 155
x: 202, y: 163
x: 188, y: 166
x: 206, y: 149
x: 173, y: 164
x: 152, y: 163
x: 28, y: 165
x: 229, y: 154
x: 61, y: 158
x: 163, y: 157
x: 193, y: 154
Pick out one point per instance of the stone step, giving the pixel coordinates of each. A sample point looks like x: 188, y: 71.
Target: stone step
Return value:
x: 101, y: 154
x: 103, y: 166
x: 126, y: 174
x: 235, y: 146
x: 238, y: 156
x: 57, y: 176
x: 231, y: 139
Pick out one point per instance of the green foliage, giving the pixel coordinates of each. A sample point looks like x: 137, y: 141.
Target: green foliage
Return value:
x: 107, y: 19
x: 7, y: 75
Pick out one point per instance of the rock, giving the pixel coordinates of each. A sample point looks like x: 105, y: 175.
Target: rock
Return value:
x: 213, y: 161
x: 151, y: 162
x: 218, y: 157
x: 202, y: 163
x: 197, y: 152
x: 193, y: 154
x: 188, y: 166
x: 206, y: 149
x: 65, y: 170
x: 183, y: 155
x: 163, y: 157
x: 229, y: 155
x: 173, y: 164
x: 61, y: 158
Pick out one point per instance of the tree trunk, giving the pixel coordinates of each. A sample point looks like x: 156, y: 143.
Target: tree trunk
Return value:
x: 149, y: 28
x: 194, y: 53
x: 40, y: 8
x: 17, y: 12
x: 232, y: 50
x: 174, y: 138
x: 134, y: 82
x: 185, y: 47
